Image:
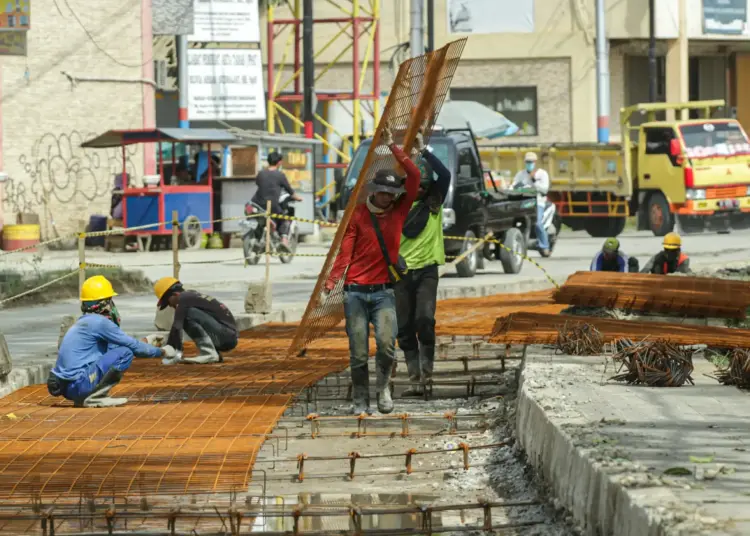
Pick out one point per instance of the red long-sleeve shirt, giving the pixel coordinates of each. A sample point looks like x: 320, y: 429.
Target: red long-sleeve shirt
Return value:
x: 360, y: 250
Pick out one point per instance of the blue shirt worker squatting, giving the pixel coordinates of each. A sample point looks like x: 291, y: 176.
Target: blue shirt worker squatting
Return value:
x: 423, y: 250
x: 611, y: 259
x: 205, y: 319
x: 95, y: 352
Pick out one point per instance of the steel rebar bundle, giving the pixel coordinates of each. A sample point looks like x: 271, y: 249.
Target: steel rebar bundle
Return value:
x: 691, y: 296
x: 737, y: 372
x: 579, y: 338
x: 657, y: 363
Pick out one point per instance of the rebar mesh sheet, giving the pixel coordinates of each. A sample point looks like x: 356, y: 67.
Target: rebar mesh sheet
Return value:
x: 692, y: 296
x: 415, y: 100
x: 185, y: 429
x: 540, y: 328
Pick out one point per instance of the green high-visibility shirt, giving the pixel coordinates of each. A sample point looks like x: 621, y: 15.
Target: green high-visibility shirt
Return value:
x: 427, y: 248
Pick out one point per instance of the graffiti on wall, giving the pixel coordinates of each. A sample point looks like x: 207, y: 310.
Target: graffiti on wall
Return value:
x: 57, y: 170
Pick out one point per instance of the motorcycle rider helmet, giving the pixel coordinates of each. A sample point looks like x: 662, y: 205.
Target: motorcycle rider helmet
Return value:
x: 274, y: 158
x: 386, y: 180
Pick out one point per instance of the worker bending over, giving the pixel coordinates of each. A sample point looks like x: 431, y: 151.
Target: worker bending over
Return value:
x: 538, y: 179
x: 370, y: 251
x: 670, y: 260
x: 205, y: 319
x: 423, y: 250
x: 95, y: 352
x: 610, y: 258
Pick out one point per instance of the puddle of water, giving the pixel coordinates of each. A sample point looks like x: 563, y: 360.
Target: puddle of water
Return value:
x: 270, y: 522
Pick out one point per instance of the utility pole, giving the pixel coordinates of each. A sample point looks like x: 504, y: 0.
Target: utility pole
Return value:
x: 182, y: 80
x: 602, y: 76
x: 308, y: 68
x: 652, y: 51
x: 430, y: 25
x: 417, y: 28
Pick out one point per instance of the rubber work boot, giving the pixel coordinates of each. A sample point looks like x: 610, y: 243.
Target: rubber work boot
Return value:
x: 427, y: 360
x: 360, y: 391
x: 99, y: 397
x: 207, y: 352
x: 412, y: 366
x: 385, y: 402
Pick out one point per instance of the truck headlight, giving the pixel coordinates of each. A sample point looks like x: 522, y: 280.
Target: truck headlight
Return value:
x: 695, y: 195
x: 449, y: 218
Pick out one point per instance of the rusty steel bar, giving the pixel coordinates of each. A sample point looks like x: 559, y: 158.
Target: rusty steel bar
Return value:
x: 535, y: 328
x: 690, y: 296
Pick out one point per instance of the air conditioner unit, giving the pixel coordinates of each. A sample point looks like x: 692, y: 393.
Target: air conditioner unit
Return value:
x: 160, y: 73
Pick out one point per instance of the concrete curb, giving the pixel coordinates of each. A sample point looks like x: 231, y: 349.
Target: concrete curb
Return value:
x: 598, y: 503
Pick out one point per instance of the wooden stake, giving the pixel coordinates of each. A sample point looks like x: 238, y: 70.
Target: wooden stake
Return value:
x: 81, y: 255
x: 268, y: 244
x: 175, y: 245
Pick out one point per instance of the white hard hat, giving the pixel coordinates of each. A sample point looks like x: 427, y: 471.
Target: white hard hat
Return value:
x: 529, y: 157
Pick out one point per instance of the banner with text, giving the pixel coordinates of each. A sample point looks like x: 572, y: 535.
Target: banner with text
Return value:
x: 225, y: 84
x: 225, y: 21
x: 490, y: 16
x: 728, y: 17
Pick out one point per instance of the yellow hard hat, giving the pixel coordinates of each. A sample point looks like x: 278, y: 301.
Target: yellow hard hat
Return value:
x: 97, y: 288
x: 163, y: 285
x: 672, y: 241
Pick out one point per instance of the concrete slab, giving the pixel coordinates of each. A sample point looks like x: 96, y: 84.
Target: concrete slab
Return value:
x: 604, y: 448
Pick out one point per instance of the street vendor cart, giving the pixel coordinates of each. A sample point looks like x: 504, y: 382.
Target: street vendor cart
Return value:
x: 184, y: 185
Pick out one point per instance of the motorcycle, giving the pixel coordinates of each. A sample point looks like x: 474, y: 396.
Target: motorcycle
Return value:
x: 551, y: 223
x: 254, y: 232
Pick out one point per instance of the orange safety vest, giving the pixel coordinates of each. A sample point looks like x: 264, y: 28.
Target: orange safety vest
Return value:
x: 680, y: 260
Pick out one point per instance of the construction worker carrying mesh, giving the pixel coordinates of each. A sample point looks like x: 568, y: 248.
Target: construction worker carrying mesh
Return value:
x: 423, y: 251
x: 670, y: 260
x: 95, y: 352
x: 205, y: 319
x: 370, y: 263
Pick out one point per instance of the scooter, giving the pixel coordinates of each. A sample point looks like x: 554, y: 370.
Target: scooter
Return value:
x: 254, y: 232
x: 551, y: 223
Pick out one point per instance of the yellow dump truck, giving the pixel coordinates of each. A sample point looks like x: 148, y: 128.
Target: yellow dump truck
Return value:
x: 686, y: 173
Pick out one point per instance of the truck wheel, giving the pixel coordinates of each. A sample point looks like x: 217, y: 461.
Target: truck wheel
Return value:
x: 468, y: 266
x: 660, y: 219
x: 604, y: 227
x: 511, y: 256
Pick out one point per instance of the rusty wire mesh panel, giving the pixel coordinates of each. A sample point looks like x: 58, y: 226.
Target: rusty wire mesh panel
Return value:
x: 417, y: 95
x: 186, y: 429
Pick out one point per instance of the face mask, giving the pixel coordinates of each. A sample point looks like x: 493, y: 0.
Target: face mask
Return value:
x: 529, y: 166
x: 114, y: 314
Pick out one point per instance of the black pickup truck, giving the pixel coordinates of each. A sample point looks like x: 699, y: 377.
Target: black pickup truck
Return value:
x: 471, y: 209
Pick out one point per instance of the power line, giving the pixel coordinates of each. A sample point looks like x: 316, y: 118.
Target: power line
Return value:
x: 185, y: 13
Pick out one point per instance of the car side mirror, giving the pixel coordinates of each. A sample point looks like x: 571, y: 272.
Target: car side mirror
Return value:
x: 464, y: 172
x: 674, y: 147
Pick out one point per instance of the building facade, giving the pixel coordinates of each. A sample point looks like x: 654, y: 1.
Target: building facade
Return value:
x: 79, y: 72
x: 537, y: 62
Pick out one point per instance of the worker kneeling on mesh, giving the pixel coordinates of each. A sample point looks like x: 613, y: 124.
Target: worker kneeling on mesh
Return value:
x: 95, y: 352
x: 205, y: 319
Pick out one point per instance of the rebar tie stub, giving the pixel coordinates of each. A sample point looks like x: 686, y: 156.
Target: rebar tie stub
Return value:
x: 409, y: 454
x: 352, y: 462
x: 301, y: 466
x: 465, y: 448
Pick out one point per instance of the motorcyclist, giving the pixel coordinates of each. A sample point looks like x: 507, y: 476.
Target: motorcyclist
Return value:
x: 670, y: 260
x: 270, y: 182
x: 538, y: 179
x: 610, y: 258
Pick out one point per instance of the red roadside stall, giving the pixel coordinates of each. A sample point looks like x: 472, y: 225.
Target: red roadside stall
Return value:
x: 184, y: 187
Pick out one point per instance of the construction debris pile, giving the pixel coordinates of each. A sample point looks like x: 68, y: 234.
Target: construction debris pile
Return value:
x: 579, y: 339
x: 737, y: 372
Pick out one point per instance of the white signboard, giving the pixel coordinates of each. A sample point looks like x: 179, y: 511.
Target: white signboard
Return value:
x: 225, y: 84
x: 227, y: 21
x: 490, y: 16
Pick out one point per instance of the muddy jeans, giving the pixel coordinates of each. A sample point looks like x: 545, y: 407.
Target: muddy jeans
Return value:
x: 362, y: 307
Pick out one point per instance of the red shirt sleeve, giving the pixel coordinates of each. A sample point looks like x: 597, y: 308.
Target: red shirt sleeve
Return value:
x: 412, y: 176
x: 344, y: 257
